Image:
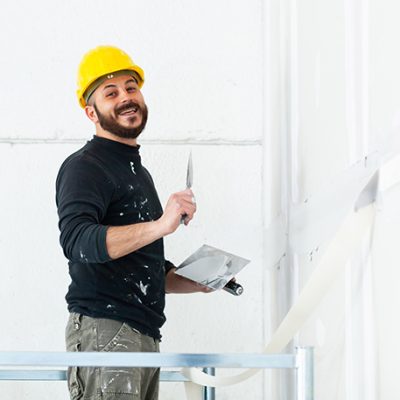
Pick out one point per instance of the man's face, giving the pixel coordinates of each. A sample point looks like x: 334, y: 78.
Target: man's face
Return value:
x: 120, y: 107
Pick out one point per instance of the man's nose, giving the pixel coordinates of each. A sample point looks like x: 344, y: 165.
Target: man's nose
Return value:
x: 125, y: 96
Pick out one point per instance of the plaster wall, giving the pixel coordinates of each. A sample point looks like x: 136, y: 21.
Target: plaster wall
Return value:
x: 385, y: 111
x: 346, y: 119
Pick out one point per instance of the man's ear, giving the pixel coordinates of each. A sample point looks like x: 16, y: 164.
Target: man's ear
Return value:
x: 91, y: 113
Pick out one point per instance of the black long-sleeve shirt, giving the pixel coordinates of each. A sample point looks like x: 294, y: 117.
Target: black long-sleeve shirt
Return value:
x: 104, y: 184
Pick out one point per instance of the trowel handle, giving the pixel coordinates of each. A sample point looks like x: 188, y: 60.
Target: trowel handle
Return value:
x: 233, y: 288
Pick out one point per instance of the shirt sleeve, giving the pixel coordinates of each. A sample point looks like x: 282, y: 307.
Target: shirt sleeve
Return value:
x: 83, y: 193
x: 168, y: 266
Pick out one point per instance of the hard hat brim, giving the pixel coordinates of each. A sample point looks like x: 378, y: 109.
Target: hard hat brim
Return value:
x: 135, y: 71
x: 92, y: 87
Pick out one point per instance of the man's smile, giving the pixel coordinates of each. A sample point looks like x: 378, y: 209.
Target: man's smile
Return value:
x: 128, y: 111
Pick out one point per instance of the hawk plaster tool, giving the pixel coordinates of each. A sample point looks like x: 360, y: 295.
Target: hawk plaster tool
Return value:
x: 231, y: 287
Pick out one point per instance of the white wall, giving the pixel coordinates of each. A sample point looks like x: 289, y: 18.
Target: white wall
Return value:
x: 345, y: 105
x: 203, y: 65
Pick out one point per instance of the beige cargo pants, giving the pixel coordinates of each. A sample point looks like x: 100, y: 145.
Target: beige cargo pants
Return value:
x: 107, y: 383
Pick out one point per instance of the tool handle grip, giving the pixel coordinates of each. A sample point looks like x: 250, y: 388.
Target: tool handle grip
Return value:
x: 233, y: 288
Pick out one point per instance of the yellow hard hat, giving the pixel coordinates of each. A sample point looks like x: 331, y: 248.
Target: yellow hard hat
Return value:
x: 100, y: 62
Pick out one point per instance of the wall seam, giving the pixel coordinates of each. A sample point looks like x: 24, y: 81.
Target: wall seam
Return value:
x: 173, y: 142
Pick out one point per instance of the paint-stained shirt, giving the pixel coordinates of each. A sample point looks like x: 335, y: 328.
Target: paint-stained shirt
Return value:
x: 105, y: 184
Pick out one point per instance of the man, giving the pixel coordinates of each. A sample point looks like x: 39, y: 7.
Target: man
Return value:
x: 112, y: 225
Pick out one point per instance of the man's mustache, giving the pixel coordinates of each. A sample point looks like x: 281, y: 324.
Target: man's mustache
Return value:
x: 127, y: 106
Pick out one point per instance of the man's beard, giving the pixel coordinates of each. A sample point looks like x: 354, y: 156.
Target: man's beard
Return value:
x: 110, y: 124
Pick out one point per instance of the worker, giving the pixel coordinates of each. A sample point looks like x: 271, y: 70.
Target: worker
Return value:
x: 111, y: 230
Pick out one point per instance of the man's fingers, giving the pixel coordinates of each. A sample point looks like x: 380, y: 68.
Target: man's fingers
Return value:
x: 186, y: 207
x: 204, y: 289
x: 190, y: 196
x: 189, y: 199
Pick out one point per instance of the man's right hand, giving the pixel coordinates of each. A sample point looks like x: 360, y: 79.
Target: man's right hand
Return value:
x: 122, y: 240
x: 179, y: 204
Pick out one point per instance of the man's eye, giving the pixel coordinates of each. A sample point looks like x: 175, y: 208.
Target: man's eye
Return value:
x: 111, y: 94
x: 131, y: 89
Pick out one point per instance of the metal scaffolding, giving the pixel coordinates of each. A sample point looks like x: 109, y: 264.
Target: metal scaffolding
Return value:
x: 13, y: 365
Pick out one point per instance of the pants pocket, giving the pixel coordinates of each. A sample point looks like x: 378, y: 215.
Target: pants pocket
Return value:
x: 75, y: 385
x: 119, y: 382
x: 123, y: 382
x: 112, y: 336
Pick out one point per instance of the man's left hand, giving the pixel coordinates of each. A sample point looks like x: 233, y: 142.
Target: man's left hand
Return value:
x: 178, y: 284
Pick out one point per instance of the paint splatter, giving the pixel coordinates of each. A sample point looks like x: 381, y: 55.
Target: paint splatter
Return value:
x: 83, y: 256
x: 133, y: 167
x: 138, y: 299
x: 121, y: 214
x: 118, y: 379
x: 144, y: 202
x: 143, y: 287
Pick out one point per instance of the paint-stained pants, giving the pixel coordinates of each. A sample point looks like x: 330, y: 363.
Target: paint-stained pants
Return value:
x: 97, y: 334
